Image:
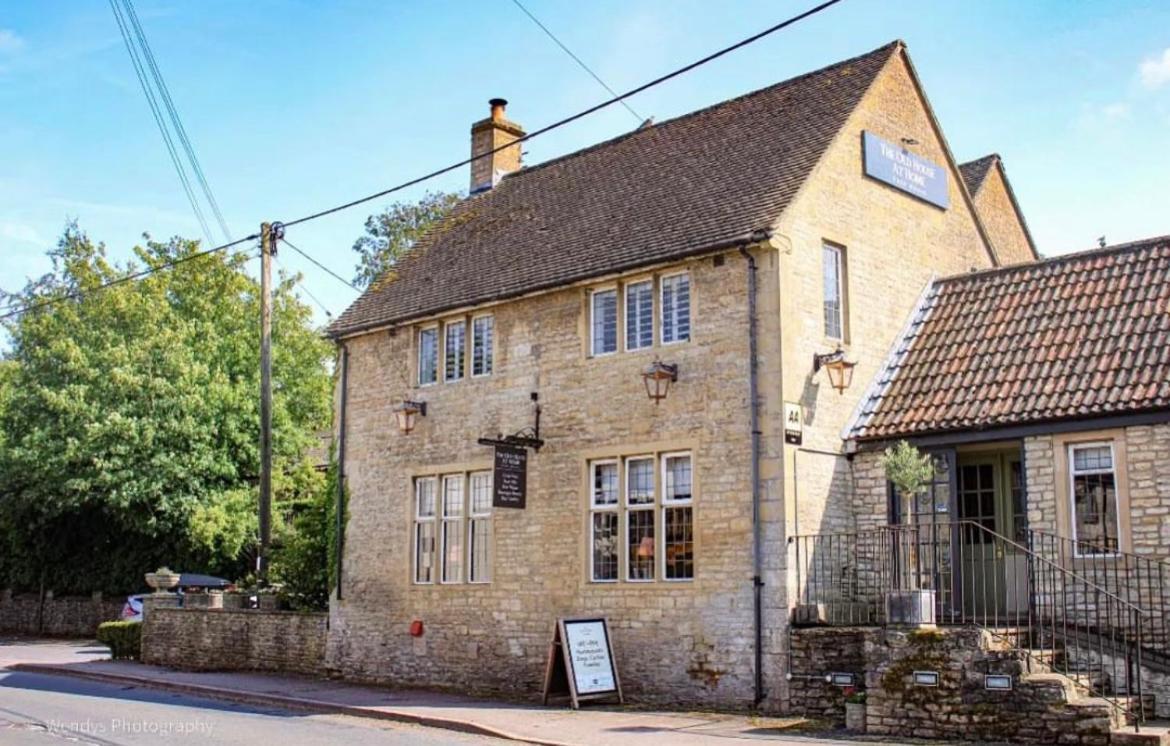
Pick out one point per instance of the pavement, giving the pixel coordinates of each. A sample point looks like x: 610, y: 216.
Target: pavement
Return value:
x: 554, y: 726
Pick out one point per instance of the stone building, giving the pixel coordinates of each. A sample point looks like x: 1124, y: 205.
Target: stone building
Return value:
x: 747, y: 250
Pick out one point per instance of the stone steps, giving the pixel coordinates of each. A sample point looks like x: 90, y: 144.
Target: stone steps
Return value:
x: 1153, y: 733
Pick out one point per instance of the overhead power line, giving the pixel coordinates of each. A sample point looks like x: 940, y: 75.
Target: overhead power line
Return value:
x: 576, y: 59
x: 320, y: 265
x: 300, y: 281
x: 574, y: 117
x: 446, y: 169
x: 140, y: 71
x: 176, y: 120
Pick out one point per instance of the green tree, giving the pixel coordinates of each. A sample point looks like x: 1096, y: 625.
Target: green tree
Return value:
x: 130, y: 435
x: 392, y: 232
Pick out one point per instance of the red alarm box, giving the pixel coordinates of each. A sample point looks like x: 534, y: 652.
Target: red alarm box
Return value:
x: 416, y: 628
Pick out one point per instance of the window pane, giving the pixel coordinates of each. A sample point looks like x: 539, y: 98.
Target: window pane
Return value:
x: 639, y: 315
x: 831, y: 260
x: 678, y: 543
x: 640, y: 481
x: 456, y: 346
x: 640, y: 549
x: 604, y: 322
x: 452, y: 530
x: 428, y: 355
x: 605, y: 484
x: 678, y: 478
x: 676, y: 308
x: 605, y: 545
x: 1095, y: 457
x: 424, y: 552
x: 481, y: 493
x: 481, y: 540
x: 482, y: 333
x: 424, y: 491
x: 1095, y: 505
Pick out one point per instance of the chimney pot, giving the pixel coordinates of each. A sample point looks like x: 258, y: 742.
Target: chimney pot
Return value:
x: 498, y: 106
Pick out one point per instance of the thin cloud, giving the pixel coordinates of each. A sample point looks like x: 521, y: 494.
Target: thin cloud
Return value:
x: 1155, y: 71
x: 10, y: 43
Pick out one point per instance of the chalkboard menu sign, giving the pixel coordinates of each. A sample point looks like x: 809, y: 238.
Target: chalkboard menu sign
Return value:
x: 510, y: 477
x: 580, y: 662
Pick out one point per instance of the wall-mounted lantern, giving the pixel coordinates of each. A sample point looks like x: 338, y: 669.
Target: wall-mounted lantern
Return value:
x: 658, y: 376
x: 407, y: 412
x: 840, y: 369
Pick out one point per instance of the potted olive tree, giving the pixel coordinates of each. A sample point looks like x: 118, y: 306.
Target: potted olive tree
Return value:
x: 911, y: 473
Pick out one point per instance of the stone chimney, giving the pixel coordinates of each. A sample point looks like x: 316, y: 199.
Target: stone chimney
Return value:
x: 487, y: 135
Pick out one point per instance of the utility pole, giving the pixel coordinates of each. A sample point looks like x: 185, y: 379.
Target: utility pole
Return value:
x: 268, y: 238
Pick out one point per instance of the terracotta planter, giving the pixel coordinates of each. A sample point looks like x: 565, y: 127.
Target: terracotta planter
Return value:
x: 855, y: 717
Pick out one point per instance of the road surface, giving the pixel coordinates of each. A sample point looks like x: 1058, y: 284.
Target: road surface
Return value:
x: 40, y: 710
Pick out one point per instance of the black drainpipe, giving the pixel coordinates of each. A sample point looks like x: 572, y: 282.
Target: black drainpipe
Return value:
x: 757, y: 543
x: 339, y: 508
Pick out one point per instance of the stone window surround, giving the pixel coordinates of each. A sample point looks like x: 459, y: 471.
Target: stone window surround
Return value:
x: 659, y: 452
x: 620, y: 285
x: 1061, y: 444
x: 438, y: 475
x: 842, y: 289
x: 619, y: 318
x: 440, y: 325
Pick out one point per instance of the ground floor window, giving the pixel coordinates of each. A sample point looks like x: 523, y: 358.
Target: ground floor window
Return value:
x: 1093, y: 484
x: 453, y: 528
x: 641, y: 518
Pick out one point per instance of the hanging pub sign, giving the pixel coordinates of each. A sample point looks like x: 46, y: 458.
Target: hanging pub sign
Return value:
x: 904, y: 170
x: 510, y: 477
x: 580, y: 662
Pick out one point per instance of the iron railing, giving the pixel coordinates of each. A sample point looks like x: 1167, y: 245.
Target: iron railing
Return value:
x: 1048, y: 611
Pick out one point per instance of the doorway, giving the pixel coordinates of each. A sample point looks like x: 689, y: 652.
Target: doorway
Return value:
x: 990, y: 504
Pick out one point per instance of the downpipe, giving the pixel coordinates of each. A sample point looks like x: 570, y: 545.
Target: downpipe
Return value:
x: 754, y: 418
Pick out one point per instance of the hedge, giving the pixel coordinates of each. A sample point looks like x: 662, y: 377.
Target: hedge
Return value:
x: 123, y: 638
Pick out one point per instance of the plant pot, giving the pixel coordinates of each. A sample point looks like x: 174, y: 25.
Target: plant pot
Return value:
x: 912, y: 608
x: 855, y: 717
x: 162, y: 579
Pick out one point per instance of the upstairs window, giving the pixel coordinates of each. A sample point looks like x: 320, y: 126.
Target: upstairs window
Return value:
x: 482, y: 339
x: 455, y: 350
x: 833, y: 266
x: 428, y: 355
x: 639, y: 315
x: 1096, y: 528
x: 603, y: 322
x: 676, y: 308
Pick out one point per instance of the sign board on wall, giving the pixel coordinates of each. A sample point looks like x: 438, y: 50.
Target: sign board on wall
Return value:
x: 580, y: 662
x: 510, y: 477
x: 904, y: 170
x: 793, y: 423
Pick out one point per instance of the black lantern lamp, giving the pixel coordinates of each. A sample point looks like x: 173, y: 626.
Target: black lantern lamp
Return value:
x: 407, y: 413
x: 840, y: 369
x: 658, y: 376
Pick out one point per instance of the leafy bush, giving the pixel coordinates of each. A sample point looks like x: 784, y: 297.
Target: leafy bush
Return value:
x: 123, y: 638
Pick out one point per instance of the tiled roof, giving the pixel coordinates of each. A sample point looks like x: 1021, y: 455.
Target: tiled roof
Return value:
x: 974, y: 172
x: 656, y: 194
x: 1077, y: 336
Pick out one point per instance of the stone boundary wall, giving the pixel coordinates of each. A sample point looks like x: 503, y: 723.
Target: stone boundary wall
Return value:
x: 1040, y: 708
x: 67, y: 616
x: 235, y: 640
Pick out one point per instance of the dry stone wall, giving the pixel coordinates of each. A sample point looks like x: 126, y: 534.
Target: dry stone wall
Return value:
x: 67, y: 616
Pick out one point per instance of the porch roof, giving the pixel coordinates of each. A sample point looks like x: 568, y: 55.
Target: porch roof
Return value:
x: 1076, y: 336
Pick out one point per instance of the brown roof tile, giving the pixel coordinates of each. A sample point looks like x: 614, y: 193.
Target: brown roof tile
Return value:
x: 656, y: 194
x: 1077, y: 336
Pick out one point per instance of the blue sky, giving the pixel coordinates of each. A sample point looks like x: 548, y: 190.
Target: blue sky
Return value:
x: 295, y: 106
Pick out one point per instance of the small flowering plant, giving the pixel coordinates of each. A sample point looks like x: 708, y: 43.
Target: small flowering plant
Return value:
x: 854, y: 696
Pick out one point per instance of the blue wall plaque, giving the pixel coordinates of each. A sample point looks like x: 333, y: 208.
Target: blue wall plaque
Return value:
x: 904, y: 170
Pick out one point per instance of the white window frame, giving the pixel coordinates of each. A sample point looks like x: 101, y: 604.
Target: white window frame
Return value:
x: 595, y: 508
x: 593, y: 318
x: 491, y: 353
x: 438, y: 354
x: 1073, y: 472
x: 667, y: 502
x: 662, y: 308
x: 839, y: 251
x: 629, y: 508
x: 462, y: 365
x: 472, y: 516
x: 626, y: 308
x: 460, y: 521
x: 415, y: 525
